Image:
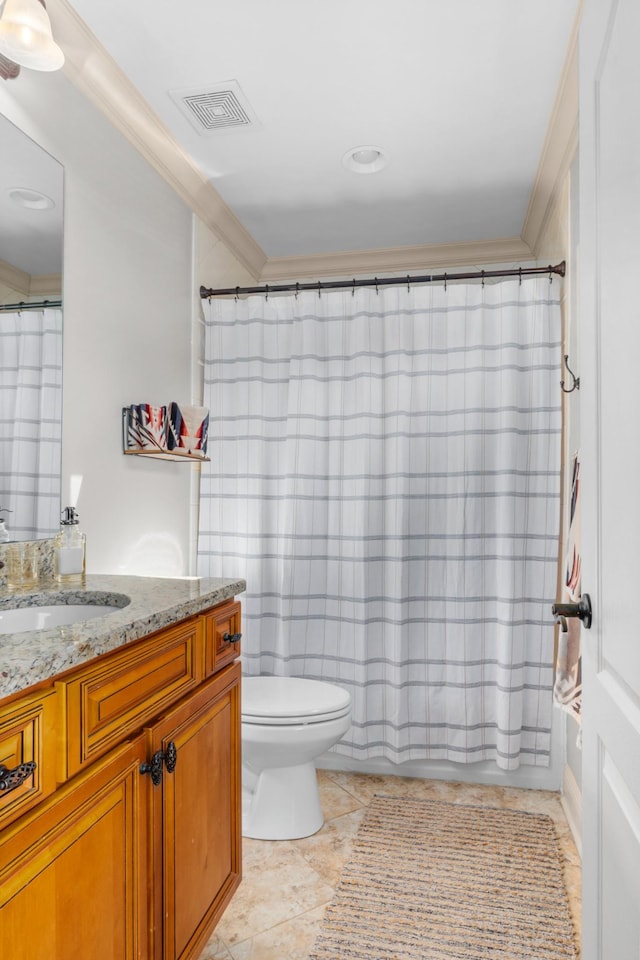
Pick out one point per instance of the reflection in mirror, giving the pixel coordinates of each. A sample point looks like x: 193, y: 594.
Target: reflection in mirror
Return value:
x: 31, y: 240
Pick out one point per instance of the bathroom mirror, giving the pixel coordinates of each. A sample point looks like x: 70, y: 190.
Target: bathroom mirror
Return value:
x: 31, y: 245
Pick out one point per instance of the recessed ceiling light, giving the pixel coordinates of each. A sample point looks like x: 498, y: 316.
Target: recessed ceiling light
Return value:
x: 366, y: 159
x: 32, y: 199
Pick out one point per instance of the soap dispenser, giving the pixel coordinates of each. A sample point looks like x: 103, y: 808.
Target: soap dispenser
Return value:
x: 70, y: 549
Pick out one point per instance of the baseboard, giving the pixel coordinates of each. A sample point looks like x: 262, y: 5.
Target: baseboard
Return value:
x: 572, y: 805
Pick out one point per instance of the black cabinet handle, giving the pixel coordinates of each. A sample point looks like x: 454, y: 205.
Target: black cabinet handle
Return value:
x: 170, y: 759
x: 232, y: 637
x: 10, y: 779
x: 154, y: 768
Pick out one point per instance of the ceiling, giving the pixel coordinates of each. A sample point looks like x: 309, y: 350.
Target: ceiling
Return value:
x: 458, y: 95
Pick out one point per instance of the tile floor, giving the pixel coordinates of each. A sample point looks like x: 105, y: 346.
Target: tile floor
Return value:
x: 287, y: 884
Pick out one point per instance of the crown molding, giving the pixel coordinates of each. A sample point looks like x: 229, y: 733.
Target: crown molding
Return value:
x: 46, y: 285
x: 559, y: 149
x: 424, y: 256
x: 28, y: 285
x: 17, y: 279
x: 90, y: 68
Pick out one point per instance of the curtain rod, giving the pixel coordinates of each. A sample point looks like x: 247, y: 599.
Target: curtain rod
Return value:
x: 44, y: 304
x: 206, y: 292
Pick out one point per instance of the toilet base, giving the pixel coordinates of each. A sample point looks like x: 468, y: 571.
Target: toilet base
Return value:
x: 281, y: 803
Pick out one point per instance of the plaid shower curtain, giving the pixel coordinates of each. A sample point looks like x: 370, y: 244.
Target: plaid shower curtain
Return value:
x: 31, y: 421
x: 385, y: 473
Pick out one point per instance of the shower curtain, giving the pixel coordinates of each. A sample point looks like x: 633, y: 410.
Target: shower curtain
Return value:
x: 385, y: 473
x: 31, y: 421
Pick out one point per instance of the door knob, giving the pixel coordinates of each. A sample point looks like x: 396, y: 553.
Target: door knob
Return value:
x: 582, y: 610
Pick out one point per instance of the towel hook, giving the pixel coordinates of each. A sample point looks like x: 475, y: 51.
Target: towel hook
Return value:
x: 576, y: 380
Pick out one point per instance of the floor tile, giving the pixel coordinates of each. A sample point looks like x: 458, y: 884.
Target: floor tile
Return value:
x: 334, y: 799
x: 278, y: 884
x: 292, y: 940
x: 215, y: 950
x: 328, y: 850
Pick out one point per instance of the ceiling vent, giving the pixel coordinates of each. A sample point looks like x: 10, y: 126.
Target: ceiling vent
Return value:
x: 220, y: 107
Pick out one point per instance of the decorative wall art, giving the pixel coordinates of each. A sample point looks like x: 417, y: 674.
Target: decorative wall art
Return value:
x: 171, y: 432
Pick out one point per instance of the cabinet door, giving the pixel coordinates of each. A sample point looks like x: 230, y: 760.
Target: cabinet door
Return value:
x: 196, y: 816
x: 73, y: 873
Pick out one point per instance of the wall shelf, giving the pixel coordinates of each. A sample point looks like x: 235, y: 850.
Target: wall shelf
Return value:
x: 165, y: 455
x: 165, y: 432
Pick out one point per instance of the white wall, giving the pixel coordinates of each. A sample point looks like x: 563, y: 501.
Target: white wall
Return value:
x: 127, y: 311
x: 129, y: 300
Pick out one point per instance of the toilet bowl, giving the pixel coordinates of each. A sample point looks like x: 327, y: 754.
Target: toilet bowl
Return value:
x: 287, y: 722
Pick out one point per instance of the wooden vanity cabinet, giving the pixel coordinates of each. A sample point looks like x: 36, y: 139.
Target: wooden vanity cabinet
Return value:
x: 73, y: 872
x: 138, y: 852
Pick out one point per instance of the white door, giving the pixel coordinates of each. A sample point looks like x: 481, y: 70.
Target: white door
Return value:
x: 609, y: 325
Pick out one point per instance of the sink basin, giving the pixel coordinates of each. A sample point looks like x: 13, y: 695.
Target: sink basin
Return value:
x: 21, y: 619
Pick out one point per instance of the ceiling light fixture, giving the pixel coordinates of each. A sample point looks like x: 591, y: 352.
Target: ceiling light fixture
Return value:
x: 26, y: 38
x: 31, y: 199
x: 367, y: 159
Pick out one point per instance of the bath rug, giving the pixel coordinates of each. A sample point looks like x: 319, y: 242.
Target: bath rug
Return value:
x: 429, y: 880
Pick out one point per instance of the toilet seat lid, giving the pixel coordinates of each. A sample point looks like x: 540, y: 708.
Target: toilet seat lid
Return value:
x: 280, y: 700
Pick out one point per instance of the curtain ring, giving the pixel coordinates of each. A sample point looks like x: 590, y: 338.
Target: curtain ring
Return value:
x: 353, y: 288
x: 550, y: 274
x: 237, y: 295
x: 376, y: 279
x: 266, y: 291
x: 319, y: 289
x: 520, y: 275
x: 445, y: 283
x: 482, y: 273
x: 297, y: 288
x: 408, y: 284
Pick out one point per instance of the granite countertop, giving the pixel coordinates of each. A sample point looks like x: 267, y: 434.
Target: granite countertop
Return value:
x: 30, y: 657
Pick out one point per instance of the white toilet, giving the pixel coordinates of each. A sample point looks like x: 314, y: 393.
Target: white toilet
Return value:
x: 287, y: 722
